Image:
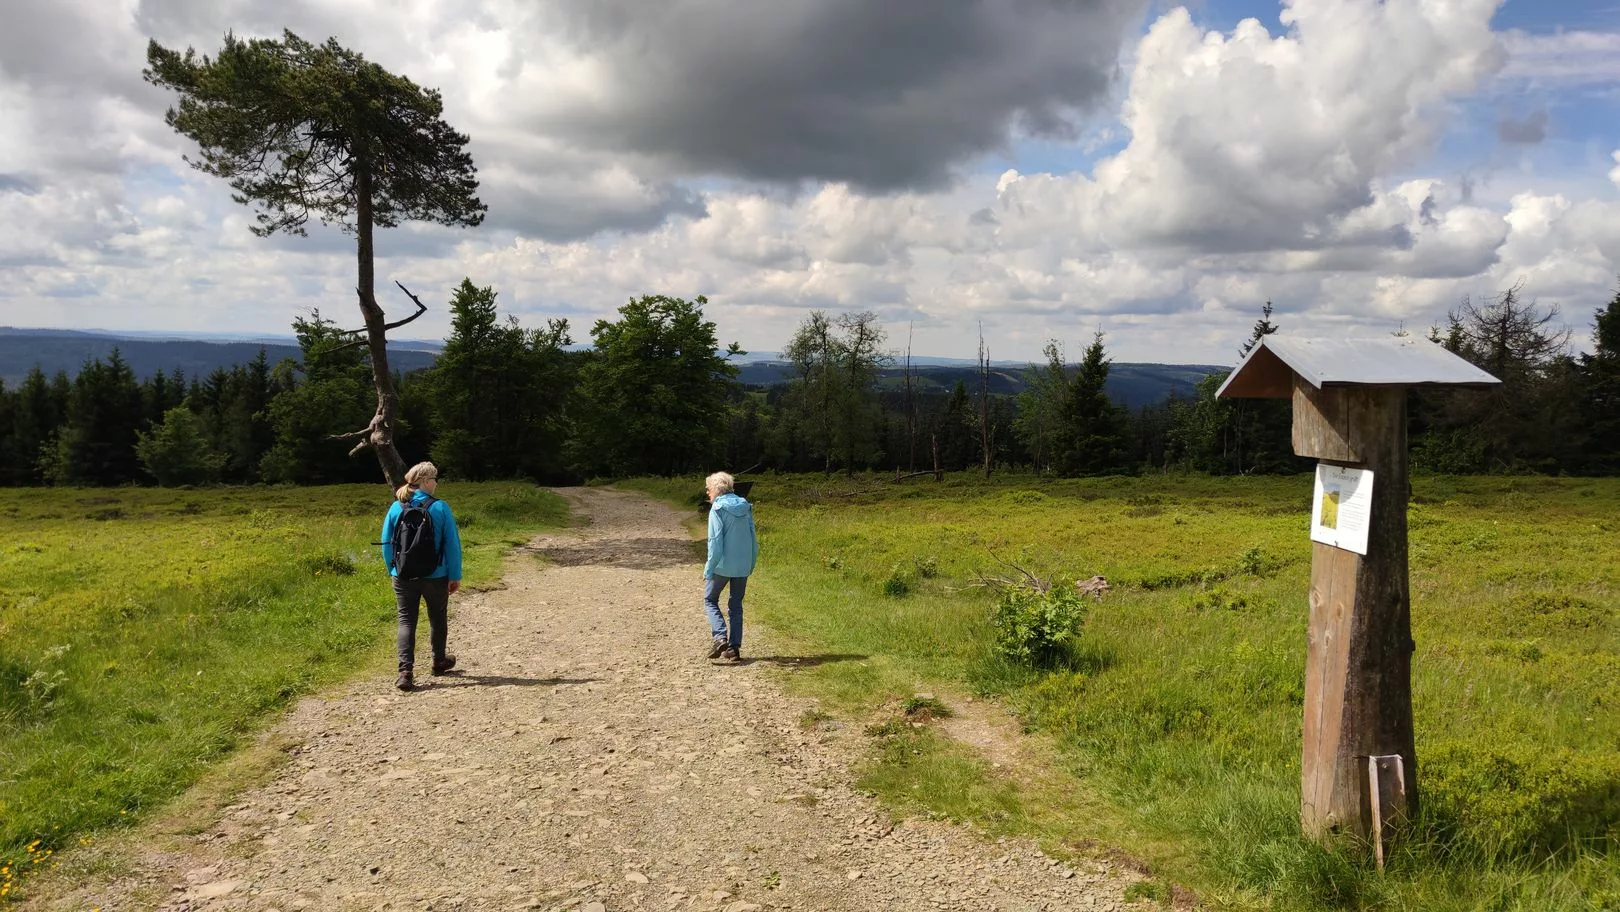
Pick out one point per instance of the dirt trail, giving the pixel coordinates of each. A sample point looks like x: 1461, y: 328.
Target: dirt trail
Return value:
x: 586, y: 758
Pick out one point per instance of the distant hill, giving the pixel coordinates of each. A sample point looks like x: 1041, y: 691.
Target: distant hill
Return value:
x: 60, y: 349
x: 1132, y: 385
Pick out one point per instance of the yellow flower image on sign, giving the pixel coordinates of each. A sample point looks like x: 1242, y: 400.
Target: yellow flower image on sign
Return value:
x: 1330, y: 508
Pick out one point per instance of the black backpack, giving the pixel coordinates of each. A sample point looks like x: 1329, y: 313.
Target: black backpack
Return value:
x: 415, y: 555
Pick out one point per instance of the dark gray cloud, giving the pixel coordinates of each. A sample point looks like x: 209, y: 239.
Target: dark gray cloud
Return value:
x: 886, y: 95
x: 1527, y: 132
x: 17, y: 183
x: 561, y: 210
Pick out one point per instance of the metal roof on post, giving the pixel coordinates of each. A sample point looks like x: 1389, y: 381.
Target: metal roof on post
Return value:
x: 1268, y: 370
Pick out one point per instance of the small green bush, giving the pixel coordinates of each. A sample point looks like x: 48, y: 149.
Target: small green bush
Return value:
x: 1220, y: 599
x: 1037, y: 628
x: 924, y: 707
x: 927, y: 566
x: 331, y: 562
x: 898, y: 583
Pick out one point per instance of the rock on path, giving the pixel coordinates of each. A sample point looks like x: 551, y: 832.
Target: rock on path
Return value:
x: 587, y: 759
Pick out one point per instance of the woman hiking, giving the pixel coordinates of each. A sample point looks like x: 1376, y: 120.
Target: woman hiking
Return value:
x: 733, y: 551
x: 422, y: 549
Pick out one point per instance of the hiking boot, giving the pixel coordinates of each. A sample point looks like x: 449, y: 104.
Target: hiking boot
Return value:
x: 731, y: 654
x: 440, y: 666
x: 717, y: 647
x: 406, y: 681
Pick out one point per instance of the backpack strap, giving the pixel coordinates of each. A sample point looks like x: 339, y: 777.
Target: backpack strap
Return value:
x: 437, y: 533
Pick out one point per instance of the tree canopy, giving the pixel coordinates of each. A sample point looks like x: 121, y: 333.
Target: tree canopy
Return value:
x: 302, y: 130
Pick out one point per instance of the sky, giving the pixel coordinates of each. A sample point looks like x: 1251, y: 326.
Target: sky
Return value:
x: 1043, y: 169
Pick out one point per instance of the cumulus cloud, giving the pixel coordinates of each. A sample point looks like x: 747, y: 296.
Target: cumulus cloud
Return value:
x: 823, y: 156
x: 1250, y: 141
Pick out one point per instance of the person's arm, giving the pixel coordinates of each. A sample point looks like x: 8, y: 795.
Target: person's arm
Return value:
x: 387, y: 539
x: 717, y: 532
x: 451, y: 544
x: 753, y: 532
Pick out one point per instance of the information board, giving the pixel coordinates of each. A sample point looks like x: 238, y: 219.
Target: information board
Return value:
x: 1341, y: 508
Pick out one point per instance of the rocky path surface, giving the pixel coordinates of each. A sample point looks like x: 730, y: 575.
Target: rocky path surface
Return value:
x: 586, y: 758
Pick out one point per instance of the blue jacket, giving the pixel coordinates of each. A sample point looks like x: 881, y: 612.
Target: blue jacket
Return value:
x: 446, y: 538
x: 733, y: 544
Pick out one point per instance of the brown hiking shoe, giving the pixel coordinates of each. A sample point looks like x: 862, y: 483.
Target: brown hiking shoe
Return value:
x: 440, y: 666
x: 406, y: 681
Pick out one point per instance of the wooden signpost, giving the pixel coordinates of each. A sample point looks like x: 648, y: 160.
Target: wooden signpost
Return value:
x: 1359, y: 772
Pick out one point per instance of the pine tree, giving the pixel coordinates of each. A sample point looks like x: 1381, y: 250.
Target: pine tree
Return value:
x: 307, y: 131
x: 1041, y: 407
x: 1095, y: 435
x: 497, y: 392
x: 177, y: 450
x: 1601, y: 394
x: 37, y: 411
x: 96, y: 443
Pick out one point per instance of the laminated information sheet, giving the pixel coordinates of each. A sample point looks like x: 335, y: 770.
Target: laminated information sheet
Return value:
x: 1341, y: 509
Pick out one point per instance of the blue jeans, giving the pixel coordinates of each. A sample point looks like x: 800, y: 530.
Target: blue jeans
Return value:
x: 718, y: 624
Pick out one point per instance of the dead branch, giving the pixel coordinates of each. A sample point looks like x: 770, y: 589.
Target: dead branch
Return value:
x: 1020, y: 579
x: 900, y: 478
x: 1029, y: 579
x: 365, y: 436
x: 364, y: 338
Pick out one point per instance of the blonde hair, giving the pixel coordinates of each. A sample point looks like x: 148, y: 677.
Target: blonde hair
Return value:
x: 414, y: 476
x: 722, y: 482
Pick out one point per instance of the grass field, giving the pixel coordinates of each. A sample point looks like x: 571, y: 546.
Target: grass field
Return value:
x: 144, y: 633
x: 1176, y: 717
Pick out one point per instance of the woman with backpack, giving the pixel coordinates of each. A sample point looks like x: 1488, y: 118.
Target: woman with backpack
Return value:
x: 422, y: 549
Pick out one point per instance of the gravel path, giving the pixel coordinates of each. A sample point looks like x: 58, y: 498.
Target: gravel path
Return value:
x: 586, y: 758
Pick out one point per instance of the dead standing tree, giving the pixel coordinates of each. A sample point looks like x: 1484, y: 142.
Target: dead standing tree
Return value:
x: 303, y: 130
x: 987, y: 432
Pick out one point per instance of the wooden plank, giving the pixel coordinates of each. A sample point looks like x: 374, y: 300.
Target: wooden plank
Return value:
x: 1325, y: 424
x: 1262, y: 375
x: 1359, y: 660
x: 1332, y: 599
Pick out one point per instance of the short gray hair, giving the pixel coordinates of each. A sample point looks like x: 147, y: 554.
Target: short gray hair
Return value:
x: 722, y: 482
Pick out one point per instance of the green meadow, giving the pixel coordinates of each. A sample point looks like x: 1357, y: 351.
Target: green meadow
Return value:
x: 1174, y: 720
x: 146, y: 633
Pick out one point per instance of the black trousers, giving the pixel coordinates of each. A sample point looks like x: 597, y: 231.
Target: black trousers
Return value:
x: 409, y: 594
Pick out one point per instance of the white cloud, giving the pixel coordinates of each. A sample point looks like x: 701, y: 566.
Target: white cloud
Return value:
x: 1562, y: 58
x: 1294, y: 167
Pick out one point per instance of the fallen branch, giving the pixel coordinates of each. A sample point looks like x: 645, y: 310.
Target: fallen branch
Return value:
x: 1029, y: 579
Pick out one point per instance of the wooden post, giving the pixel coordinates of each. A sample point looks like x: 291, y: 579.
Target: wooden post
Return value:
x: 1358, y: 669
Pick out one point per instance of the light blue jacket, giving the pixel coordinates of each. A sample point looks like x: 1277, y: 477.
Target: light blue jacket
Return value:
x: 733, y: 544
x: 446, y: 538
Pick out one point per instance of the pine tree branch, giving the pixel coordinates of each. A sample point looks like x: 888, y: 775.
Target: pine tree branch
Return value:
x: 364, y: 338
